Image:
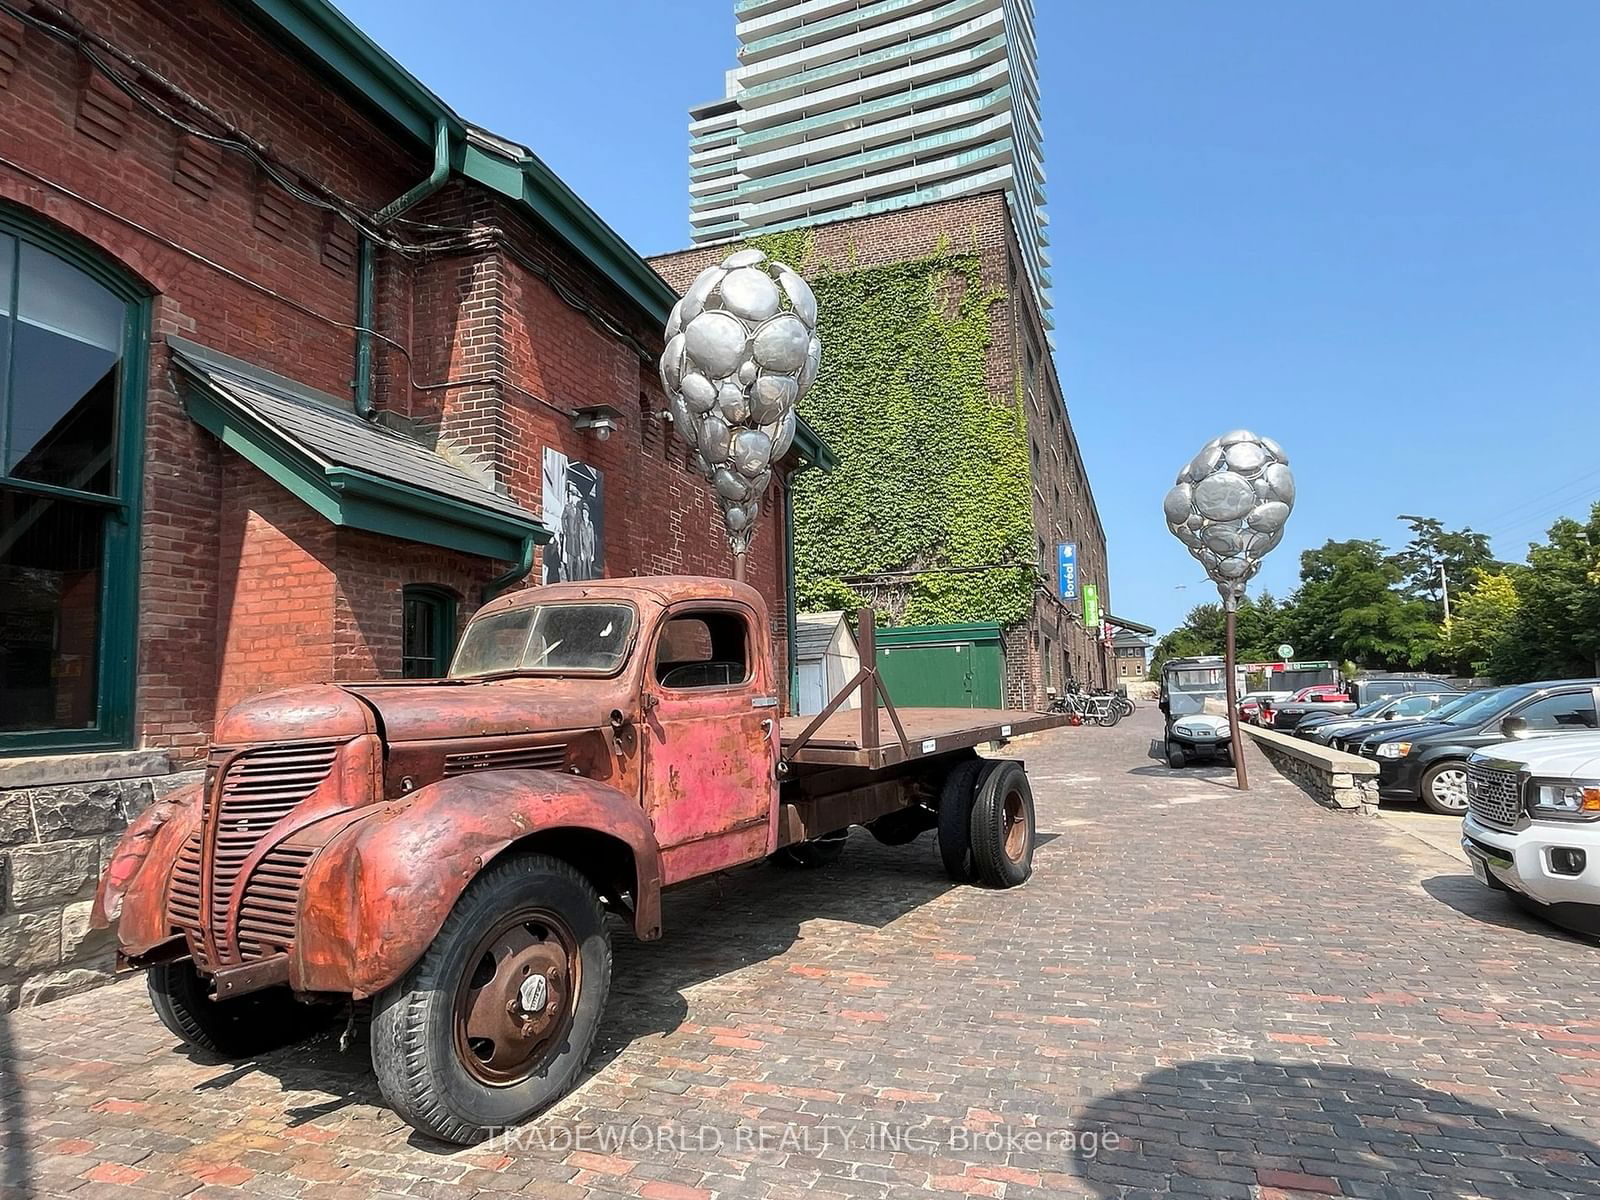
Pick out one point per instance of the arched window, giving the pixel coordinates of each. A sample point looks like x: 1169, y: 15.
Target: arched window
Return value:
x: 72, y: 365
x: 428, y: 632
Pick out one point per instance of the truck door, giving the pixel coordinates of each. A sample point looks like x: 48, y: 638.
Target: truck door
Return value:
x: 711, y: 741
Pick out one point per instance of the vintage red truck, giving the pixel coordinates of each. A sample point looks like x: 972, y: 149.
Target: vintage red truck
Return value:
x: 450, y: 850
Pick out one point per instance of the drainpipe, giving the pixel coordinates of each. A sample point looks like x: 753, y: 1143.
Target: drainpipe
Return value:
x: 515, y: 575
x: 365, y: 268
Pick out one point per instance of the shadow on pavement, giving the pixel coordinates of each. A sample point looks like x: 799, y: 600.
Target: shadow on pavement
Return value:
x: 1224, y: 1127
x: 1470, y: 898
x: 16, y: 1165
x: 713, y: 928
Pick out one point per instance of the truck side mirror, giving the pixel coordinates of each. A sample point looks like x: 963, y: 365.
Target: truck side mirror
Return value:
x: 1514, y: 727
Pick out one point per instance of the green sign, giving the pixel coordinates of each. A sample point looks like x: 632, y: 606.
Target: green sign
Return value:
x: 1091, y: 606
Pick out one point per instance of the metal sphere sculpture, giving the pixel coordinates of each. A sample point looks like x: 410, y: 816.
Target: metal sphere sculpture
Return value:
x: 742, y: 348
x: 1229, y: 507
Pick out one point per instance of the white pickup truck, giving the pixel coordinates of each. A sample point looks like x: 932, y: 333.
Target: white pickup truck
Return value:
x: 1533, y: 824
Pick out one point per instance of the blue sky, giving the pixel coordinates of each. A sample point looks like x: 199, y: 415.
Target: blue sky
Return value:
x: 1366, y: 228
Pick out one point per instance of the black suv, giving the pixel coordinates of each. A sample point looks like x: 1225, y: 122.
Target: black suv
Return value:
x: 1429, y: 762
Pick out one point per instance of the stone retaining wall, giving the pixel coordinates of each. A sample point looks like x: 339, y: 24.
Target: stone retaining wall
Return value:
x: 60, y: 817
x: 1332, y: 778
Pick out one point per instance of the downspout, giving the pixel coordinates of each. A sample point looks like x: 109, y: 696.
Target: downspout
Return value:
x: 366, y: 269
x: 515, y: 575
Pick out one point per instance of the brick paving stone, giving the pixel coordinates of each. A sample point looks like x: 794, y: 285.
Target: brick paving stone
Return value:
x: 1198, y: 993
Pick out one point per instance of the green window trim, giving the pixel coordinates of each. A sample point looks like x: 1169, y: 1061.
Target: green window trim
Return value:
x: 436, y: 606
x: 113, y: 728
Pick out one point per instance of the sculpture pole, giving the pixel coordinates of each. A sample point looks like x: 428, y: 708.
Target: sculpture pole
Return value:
x: 1229, y: 506
x: 738, y: 567
x: 1230, y: 657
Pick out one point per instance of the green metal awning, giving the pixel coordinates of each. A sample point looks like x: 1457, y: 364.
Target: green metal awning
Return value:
x: 1133, y: 625
x: 356, y: 473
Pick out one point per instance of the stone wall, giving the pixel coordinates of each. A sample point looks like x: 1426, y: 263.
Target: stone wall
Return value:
x: 1332, y: 778
x: 60, y: 817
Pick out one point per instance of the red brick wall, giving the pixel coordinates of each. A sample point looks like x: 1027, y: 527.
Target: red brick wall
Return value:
x: 241, y: 586
x: 981, y: 225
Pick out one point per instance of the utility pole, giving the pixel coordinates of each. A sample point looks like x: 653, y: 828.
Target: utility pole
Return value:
x: 1444, y: 587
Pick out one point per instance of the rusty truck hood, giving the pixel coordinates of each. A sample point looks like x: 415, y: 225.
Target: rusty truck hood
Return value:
x: 430, y: 709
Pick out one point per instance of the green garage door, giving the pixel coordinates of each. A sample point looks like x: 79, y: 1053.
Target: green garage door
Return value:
x: 942, y: 666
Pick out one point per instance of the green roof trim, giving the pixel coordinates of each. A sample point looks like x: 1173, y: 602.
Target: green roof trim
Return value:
x: 318, y: 33
x: 353, y: 498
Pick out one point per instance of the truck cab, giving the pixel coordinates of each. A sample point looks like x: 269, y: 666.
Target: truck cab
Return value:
x: 448, y: 850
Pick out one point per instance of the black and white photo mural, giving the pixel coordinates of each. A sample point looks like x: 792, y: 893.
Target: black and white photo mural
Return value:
x: 574, y: 512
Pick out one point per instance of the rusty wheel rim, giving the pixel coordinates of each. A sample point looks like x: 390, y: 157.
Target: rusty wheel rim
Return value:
x: 1016, y: 826
x: 518, y: 993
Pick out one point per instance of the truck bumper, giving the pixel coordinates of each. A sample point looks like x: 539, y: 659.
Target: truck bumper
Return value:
x: 1524, y: 861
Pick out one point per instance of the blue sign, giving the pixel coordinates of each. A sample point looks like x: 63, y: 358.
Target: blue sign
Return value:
x: 1067, y: 570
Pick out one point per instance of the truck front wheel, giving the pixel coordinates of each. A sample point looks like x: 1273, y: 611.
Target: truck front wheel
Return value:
x: 237, y: 1028
x: 498, y: 1017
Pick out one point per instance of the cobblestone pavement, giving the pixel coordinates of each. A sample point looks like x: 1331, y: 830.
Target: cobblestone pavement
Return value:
x: 1198, y: 992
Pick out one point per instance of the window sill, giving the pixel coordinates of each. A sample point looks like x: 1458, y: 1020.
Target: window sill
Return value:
x: 45, y: 770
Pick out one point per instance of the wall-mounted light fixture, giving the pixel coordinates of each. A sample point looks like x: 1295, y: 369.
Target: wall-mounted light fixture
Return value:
x: 598, y: 419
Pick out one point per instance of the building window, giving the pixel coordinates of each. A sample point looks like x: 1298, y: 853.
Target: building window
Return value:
x: 72, y: 357
x: 427, y: 632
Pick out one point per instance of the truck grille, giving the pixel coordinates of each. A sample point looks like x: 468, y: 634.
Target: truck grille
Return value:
x: 261, y: 787
x: 1494, y: 796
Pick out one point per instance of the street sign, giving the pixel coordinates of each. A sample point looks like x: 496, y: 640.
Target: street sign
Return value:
x: 1286, y: 651
x: 1067, y: 570
x: 1091, y: 606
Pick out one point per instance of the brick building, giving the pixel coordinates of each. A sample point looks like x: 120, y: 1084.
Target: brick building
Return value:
x: 1052, y: 646
x: 293, y: 358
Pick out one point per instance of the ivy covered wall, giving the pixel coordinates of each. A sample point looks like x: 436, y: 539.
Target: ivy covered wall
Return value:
x: 933, y: 467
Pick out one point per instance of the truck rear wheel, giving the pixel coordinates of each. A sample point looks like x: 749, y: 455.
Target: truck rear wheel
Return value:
x: 238, y: 1028
x: 955, y: 817
x: 1002, y: 827
x: 496, y: 1020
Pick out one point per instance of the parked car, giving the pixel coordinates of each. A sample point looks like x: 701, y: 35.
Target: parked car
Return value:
x: 1533, y: 825
x: 1450, y: 703
x: 1324, y: 728
x: 1360, y: 691
x: 1429, y: 762
x: 1316, y: 694
x: 1250, y: 706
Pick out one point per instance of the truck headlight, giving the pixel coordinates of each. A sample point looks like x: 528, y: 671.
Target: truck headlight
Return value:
x: 1394, y: 749
x: 1575, y: 800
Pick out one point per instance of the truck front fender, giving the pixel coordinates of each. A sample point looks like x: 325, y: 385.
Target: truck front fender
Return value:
x: 376, y: 894
x: 133, y: 891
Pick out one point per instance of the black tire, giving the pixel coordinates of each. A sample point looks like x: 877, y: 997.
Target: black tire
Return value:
x: 239, y: 1028
x: 1440, y: 786
x: 1003, y: 827
x: 421, y: 1038
x: 1225, y: 756
x: 1110, y: 716
x: 955, y: 817
x: 1176, y: 758
x: 821, y: 851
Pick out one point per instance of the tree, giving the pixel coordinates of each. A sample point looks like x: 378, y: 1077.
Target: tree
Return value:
x: 1483, y: 621
x: 1258, y: 630
x: 1349, y: 606
x: 1462, y: 551
x: 1556, y: 633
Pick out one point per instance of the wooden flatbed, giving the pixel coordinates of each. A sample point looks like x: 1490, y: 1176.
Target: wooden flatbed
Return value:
x: 838, y: 741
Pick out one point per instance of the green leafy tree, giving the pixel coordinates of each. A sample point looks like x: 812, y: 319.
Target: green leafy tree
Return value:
x: 1258, y: 630
x: 1462, y: 551
x: 1483, y: 621
x: 1556, y: 633
x: 1350, y: 606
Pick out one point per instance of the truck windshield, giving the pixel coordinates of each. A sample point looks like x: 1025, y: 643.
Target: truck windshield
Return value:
x: 551, y: 639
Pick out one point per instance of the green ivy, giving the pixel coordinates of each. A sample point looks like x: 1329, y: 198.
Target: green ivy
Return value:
x: 933, y: 467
